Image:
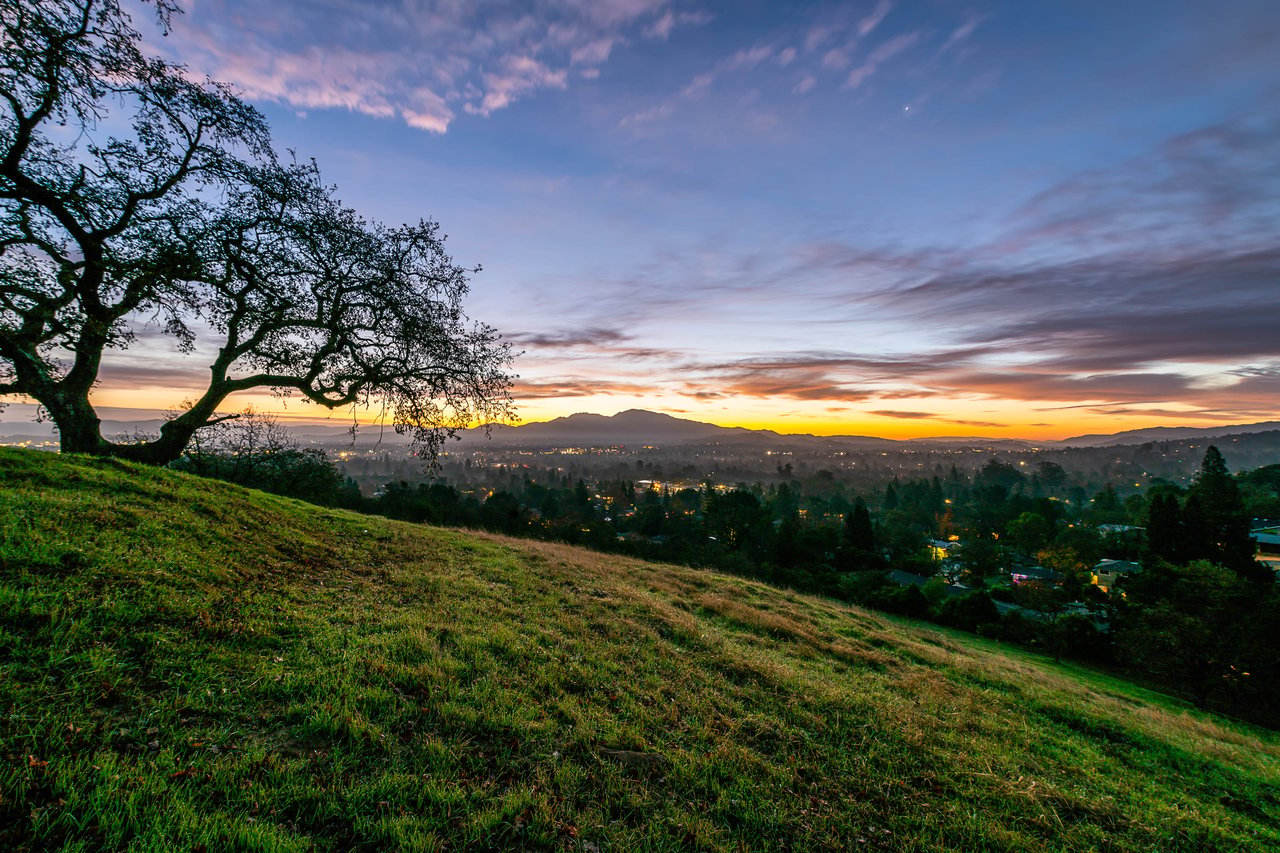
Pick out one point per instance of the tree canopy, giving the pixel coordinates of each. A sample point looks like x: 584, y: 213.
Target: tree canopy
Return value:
x: 134, y: 198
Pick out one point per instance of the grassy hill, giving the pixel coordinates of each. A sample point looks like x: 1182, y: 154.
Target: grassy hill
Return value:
x: 189, y: 665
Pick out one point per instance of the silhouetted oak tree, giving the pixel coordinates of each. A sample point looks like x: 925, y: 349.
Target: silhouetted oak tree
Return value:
x: 131, y: 195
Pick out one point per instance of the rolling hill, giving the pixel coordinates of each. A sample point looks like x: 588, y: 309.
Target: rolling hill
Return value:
x: 1139, y: 436
x: 638, y: 427
x: 189, y: 665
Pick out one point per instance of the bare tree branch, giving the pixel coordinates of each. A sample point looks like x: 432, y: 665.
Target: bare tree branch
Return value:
x: 308, y: 298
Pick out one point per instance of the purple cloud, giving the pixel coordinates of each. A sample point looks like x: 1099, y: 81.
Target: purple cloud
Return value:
x: 421, y: 63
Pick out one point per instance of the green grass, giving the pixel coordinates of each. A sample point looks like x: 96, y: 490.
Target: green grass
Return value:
x: 186, y: 665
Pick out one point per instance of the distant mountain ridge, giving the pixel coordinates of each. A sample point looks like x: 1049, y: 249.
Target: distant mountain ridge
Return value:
x: 110, y: 428
x: 640, y: 427
x: 623, y: 427
x: 1139, y: 436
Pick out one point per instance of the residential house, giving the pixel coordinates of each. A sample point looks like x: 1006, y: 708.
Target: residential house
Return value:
x: 1267, y: 539
x: 1108, y: 573
x: 1034, y: 573
x: 902, y: 578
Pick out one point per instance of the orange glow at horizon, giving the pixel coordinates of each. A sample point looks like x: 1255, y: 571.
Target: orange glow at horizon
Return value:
x: 960, y: 417
x: 1015, y: 418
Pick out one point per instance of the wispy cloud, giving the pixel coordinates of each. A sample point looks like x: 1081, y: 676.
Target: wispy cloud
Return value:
x: 894, y: 413
x: 846, y: 33
x: 421, y: 62
x: 131, y: 375
x: 800, y: 58
x: 741, y: 61
x: 984, y: 424
x: 1172, y: 414
x: 960, y: 34
x: 519, y: 76
x: 669, y: 20
x: 793, y: 385
x: 878, y: 57
x: 871, y: 21
x: 569, y: 338
x: 843, y: 377
x: 578, y: 387
x: 1215, y: 185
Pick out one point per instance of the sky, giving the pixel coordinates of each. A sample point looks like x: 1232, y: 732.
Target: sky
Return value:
x: 889, y: 217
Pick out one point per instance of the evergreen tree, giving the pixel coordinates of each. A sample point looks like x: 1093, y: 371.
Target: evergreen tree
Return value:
x: 1166, y: 532
x: 936, y: 499
x: 858, y: 549
x: 858, y: 532
x: 1215, y: 512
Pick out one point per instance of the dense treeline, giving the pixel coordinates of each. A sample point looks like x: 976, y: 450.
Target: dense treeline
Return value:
x: 1200, y: 617
x: 254, y: 450
x: 861, y: 471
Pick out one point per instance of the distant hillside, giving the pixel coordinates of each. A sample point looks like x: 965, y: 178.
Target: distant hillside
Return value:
x: 110, y: 427
x: 640, y: 427
x: 635, y: 426
x: 187, y: 665
x: 1139, y: 436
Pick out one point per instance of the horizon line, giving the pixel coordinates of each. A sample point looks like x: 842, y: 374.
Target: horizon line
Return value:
x: 296, y: 421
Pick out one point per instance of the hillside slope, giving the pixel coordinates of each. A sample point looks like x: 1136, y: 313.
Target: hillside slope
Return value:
x: 189, y: 665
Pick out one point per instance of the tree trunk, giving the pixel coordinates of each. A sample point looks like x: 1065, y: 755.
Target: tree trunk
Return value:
x: 80, y: 431
x: 79, y: 427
